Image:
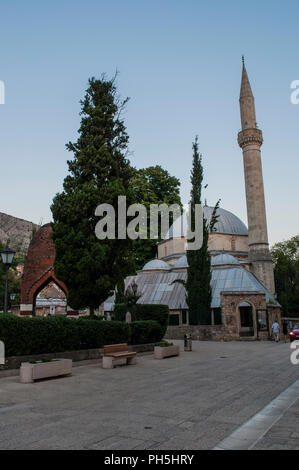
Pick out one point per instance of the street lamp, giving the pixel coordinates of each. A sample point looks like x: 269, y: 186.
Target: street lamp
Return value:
x: 12, y: 298
x: 7, y: 256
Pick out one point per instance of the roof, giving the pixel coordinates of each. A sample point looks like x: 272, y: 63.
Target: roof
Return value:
x: 227, y: 223
x: 156, y: 264
x: 158, y: 287
x: 181, y: 262
x: 224, y: 259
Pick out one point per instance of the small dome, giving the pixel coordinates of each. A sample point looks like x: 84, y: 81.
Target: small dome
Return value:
x: 227, y: 223
x: 224, y: 259
x: 181, y: 262
x: 156, y: 265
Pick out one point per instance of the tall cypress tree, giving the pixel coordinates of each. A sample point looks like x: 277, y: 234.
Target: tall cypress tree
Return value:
x: 98, y: 173
x: 198, y: 284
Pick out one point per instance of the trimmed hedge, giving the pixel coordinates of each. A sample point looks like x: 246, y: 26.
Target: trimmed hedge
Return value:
x: 141, y: 312
x: 143, y: 332
x: 26, y: 336
x: 156, y: 312
x: 39, y: 335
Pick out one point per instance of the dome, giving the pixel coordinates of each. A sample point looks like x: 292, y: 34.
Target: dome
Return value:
x: 227, y: 223
x: 156, y: 265
x: 181, y: 262
x: 224, y: 259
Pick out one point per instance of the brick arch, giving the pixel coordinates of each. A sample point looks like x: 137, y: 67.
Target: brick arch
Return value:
x: 38, y: 269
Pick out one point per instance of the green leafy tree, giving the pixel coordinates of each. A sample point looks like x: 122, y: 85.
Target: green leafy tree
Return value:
x: 131, y: 296
x: 286, y: 272
x: 98, y: 173
x: 198, y: 283
x: 120, y: 292
x: 153, y: 185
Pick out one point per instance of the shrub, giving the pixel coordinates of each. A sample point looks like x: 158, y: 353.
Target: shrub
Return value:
x: 26, y: 336
x: 156, y: 312
x: 119, y: 312
x: 140, y: 312
x: 143, y: 332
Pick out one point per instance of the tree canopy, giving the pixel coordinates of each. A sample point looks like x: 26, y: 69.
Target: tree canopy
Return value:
x: 98, y: 173
x: 152, y: 185
x: 198, y: 283
x: 286, y: 272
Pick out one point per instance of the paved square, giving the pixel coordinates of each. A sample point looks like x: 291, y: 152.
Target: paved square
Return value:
x: 193, y: 401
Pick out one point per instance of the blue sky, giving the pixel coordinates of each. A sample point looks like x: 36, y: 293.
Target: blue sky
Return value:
x: 180, y: 63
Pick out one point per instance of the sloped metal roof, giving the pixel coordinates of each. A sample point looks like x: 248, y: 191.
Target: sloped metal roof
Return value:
x: 227, y: 223
x: 158, y: 287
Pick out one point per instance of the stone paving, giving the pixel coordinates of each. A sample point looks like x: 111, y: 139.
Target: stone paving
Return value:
x: 193, y: 401
x: 284, y: 434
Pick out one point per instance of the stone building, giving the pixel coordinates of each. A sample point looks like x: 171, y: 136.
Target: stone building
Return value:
x: 243, y: 292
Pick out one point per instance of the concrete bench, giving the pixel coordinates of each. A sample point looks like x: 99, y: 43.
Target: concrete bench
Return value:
x: 117, y: 351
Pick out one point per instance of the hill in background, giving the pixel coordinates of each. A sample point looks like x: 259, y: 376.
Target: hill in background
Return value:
x: 17, y: 231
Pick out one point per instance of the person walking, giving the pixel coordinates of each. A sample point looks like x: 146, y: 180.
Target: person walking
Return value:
x: 285, y: 330
x: 276, y: 330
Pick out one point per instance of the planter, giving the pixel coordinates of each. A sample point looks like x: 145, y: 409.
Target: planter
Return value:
x: 44, y: 370
x: 168, y: 351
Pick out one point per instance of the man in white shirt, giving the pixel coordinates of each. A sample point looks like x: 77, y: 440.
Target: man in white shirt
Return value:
x: 276, y: 330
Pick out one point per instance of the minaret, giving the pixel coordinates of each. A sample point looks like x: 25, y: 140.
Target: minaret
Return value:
x: 250, y: 139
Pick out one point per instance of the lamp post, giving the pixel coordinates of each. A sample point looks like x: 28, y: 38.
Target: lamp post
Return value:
x: 12, y: 298
x: 7, y: 256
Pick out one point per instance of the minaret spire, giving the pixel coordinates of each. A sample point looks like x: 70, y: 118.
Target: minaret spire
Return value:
x: 250, y: 140
x: 247, y: 106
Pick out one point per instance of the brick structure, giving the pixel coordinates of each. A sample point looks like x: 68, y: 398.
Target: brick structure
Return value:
x: 38, y: 269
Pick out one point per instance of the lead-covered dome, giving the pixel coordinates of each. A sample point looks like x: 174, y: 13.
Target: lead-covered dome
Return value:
x: 181, y: 263
x: 224, y: 259
x: 156, y: 265
x: 227, y: 223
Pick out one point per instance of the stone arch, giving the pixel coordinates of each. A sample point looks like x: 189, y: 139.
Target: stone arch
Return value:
x: 38, y: 269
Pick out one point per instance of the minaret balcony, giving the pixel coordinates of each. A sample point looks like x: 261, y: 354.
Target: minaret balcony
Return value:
x: 250, y: 136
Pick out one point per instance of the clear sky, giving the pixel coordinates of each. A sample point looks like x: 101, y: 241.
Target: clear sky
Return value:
x: 180, y: 63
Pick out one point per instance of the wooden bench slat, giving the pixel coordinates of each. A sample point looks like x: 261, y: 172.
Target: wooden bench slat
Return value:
x: 121, y: 354
x: 112, y: 348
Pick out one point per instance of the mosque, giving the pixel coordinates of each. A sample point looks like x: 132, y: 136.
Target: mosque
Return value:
x: 243, y: 304
x: 243, y: 291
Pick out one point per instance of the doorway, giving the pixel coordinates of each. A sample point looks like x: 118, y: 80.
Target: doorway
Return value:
x: 246, y: 320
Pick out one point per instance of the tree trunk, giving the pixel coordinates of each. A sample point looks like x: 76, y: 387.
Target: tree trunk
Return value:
x: 91, y: 312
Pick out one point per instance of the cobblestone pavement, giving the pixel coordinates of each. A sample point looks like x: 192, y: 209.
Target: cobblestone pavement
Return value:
x: 193, y: 401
